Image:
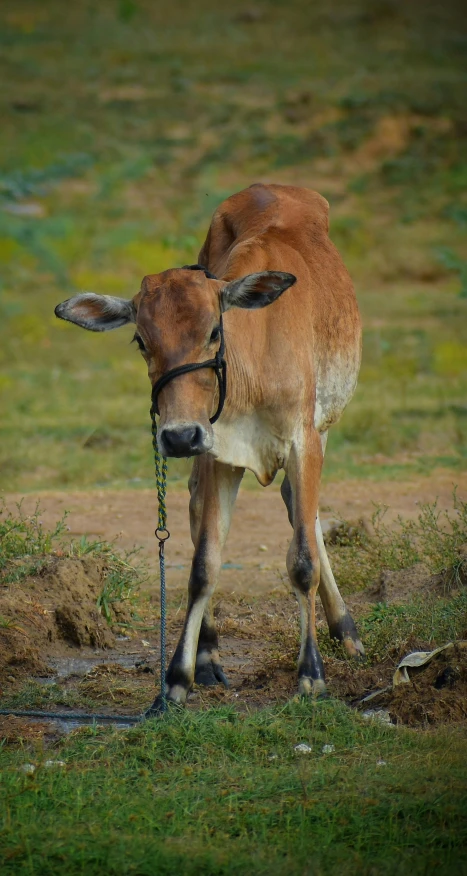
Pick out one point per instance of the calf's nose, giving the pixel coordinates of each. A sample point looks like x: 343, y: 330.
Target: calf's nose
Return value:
x: 184, y: 440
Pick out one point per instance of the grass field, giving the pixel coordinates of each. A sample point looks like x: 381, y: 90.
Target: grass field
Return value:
x: 126, y: 122
x: 219, y: 793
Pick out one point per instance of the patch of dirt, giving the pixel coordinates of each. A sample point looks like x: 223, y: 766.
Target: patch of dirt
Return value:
x: 54, y: 627
x: 259, y: 521
x: 259, y: 646
x: 437, y: 693
x: 49, y: 614
x: 405, y: 584
x: 113, y: 684
x: 18, y: 731
x: 344, y: 532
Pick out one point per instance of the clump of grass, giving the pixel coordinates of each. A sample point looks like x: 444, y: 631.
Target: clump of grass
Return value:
x: 33, y: 695
x: 26, y: 547
x: 435, y: 538
x: 389, y: 630
x: 122, y: 573
x: 24, y: 543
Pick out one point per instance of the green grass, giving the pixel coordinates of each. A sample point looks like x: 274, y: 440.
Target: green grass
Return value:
x: 124, y: 125
x: 221, y: 793
x: 24, y: 544
x: 391, y: 630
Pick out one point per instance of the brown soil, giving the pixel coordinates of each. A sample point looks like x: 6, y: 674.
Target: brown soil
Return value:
x: 259, y: 521
x: 401, y: 586
x: 55, y: 629
x: 436, y: 693
x: 17, y: 731
x: 50, y: 615
x: 259, y: 644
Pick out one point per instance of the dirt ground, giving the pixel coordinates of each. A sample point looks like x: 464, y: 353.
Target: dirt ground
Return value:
x: 55, y: 634
x: 260, y: 532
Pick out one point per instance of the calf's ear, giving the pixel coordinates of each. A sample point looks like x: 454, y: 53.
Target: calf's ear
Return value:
x: 255, y: 290
x: 98, y: 313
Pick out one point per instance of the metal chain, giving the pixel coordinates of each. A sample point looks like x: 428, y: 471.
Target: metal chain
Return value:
x: 162, y: 534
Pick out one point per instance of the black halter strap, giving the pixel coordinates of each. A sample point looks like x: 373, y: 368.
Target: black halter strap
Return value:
x: 218, y: 363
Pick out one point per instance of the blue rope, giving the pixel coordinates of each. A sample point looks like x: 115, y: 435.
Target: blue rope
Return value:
x: 163, y: 624
x: 162, y: 534
x: 73, y: 716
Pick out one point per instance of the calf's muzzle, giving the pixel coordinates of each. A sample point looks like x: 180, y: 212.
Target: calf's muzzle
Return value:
x: 189, y: 439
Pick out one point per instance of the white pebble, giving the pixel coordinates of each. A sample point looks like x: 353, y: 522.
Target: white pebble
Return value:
x: 381, y: 763
x: 28, y: 768
x: 380, y: 715
x: 302, y: 748
x: 263, y: 547
x: 53, y: 763
x: 328, y: 749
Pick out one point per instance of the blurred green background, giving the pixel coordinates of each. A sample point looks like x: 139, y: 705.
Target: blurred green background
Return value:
x: 125, y: 122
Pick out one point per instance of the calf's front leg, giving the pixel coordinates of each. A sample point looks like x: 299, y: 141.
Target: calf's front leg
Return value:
x: 213, y: 488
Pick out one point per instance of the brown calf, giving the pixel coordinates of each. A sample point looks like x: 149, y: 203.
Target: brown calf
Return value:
x: 292, y: 368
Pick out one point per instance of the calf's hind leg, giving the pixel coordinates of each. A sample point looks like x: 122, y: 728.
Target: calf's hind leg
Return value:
x: 304, y: 472
x: 340, y: 622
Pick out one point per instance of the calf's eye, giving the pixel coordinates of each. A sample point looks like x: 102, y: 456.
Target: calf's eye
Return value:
x: 215, y: 335
x: 140, y: 343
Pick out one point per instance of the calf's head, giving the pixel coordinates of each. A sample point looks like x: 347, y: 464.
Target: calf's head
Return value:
x: 177, y: 315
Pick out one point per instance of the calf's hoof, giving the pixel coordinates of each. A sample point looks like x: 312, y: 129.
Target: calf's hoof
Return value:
x: 354, y: 648
x: 313, y: 688
x: 346, y: 632
x: 158, y: 708
x: 210, y: 674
